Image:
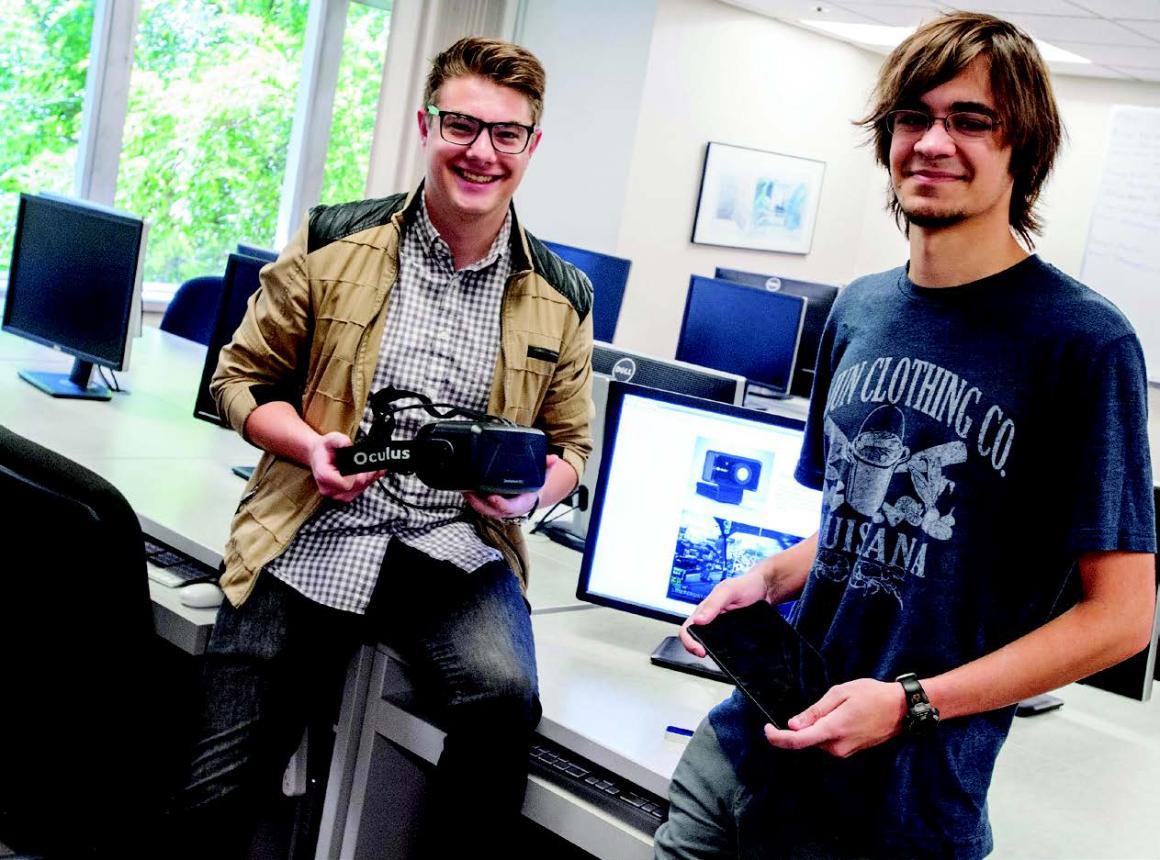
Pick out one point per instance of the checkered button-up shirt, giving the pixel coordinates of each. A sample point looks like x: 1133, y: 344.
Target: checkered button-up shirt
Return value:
x: 441, y: 338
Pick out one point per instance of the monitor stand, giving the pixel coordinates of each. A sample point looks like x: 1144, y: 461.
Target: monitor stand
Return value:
x: 74, y: 385
x: 764, y: 392
x: 672, y: 655
x: 1038, y: 705
x: 563, y: 534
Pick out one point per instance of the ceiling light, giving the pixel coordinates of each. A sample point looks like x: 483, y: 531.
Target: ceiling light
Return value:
x: 883, y: 36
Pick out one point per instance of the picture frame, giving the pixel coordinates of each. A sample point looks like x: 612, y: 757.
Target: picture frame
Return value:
x: 750, y: 198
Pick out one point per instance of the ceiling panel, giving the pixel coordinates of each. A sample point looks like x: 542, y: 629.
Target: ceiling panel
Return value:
x: 1084, y: 27
x: 1092, y: 31
x: 1024, y: 7
x: 1087, y: 71
x: 1148, y: 28
x: 894, y: 15
x: 1143, y: 9
x: 1120, y: 56
x: 792, y: 11
x: 865, y: 4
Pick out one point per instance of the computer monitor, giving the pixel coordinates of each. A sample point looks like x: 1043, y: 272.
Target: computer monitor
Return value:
x: 820, y: 298
x: 690, y: 492
x: 1134, y: 676
x: 737, y: 329
x: 609, y: 275
x: 267, y: 254
x: 75, y: 285
x: 612, y: 362
x: 240, y: 282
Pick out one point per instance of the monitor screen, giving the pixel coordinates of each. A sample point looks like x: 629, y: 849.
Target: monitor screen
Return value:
x: 240, y: 282
x: 820, y: 298
x: 738, y: 329
x: 609, y: 275
x: 690, y: 492
x: 75, y: 283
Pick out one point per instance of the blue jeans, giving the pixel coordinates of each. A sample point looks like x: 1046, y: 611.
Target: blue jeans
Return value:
x: 277, y: 663
x: 714, y: 813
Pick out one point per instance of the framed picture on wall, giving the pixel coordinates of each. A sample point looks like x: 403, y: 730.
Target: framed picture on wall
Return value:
x: 755, y: 199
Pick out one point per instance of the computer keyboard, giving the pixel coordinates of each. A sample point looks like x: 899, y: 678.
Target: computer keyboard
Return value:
x: 597, y: 785
x: 169, y: 567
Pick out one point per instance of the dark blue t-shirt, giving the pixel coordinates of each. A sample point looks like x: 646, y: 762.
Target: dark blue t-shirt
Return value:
x: 971, y: 442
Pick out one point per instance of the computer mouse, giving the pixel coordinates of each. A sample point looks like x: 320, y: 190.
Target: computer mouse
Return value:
x: 200, y: 595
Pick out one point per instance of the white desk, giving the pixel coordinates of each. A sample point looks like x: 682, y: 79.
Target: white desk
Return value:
x: 601, y: 696
x: 173, y: 469
x: 602, y: 700
x: 175, y: 472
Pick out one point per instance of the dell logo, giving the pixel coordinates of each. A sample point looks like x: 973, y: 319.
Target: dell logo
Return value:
x: 624, y: 370
x: 773, y: 284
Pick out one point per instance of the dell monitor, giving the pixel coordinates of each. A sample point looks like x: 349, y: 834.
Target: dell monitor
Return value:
x: 612, y: 362
x: 737, y: 329
x: 718, y: 496
x: 240, y: 282
x: 75, y: 285
x: 609, y: 275
x: 819, y: 298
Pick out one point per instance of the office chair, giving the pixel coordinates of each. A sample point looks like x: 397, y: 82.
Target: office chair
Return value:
x: 83, y: 764
x: 193, y: 309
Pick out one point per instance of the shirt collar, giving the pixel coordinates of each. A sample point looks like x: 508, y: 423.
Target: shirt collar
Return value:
x: 435, y: 246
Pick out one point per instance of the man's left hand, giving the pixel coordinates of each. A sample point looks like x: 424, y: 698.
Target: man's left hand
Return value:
x: 848, y: 718
x: 507, y: 507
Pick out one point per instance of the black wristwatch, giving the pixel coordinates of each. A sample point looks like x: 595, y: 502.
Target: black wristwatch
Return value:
x: 921, y: 716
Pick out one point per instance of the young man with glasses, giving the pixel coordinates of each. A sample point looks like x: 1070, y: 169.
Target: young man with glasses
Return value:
x: 440, y: 292
x: 978, y: 429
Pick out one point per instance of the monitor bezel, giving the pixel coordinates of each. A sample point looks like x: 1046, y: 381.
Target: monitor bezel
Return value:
x: 738, y: 287
x: 739, y: 382
x: 210, y: 364
x: 617, y: 392
x: 131, y: 311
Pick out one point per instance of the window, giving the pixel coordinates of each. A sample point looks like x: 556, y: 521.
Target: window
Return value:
x: 44, y: 52
x: 211, y: 102
x: 356, y: 99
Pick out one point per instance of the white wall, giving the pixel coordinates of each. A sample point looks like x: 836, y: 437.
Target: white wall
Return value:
x: 595, y: 53
x: 717, y: 72
x: 722, y: 74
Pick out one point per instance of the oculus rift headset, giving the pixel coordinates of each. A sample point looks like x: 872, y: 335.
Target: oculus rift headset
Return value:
x: 461, y: 450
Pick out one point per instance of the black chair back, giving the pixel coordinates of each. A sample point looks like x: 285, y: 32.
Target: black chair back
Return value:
x: 78, y: 716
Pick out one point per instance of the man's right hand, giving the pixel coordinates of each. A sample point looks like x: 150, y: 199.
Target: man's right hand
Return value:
x: 331, y: 483
x: 732, y: 593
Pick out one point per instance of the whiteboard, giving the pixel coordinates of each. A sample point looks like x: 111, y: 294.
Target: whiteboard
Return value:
x: 1122, y: 257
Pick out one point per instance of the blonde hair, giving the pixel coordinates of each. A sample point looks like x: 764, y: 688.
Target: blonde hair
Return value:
x: 502, y: 63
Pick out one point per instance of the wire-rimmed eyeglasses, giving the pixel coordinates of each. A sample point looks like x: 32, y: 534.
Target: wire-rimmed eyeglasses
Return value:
x: 510, y: 138
x: 963, y: 125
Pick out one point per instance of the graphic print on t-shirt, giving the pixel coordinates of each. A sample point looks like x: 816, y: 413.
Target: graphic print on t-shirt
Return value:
x: 878, y: 527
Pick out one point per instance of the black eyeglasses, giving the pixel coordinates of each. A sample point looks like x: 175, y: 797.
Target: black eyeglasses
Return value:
x: 510, y: 138
x: 961, y: 125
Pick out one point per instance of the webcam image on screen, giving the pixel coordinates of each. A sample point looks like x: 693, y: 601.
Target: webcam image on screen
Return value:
x: 711, y: 548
